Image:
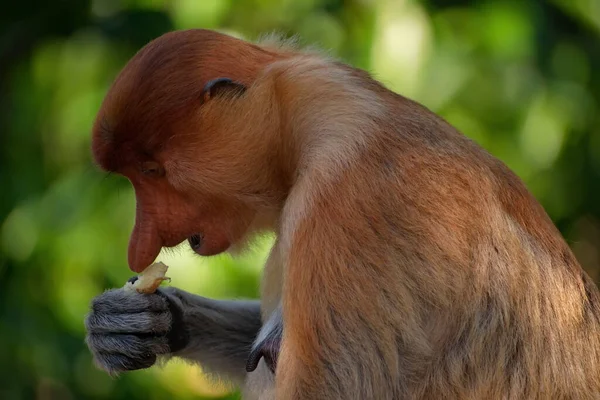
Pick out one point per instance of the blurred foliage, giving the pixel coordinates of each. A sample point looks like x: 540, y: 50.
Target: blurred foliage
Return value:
x: 522, y: 78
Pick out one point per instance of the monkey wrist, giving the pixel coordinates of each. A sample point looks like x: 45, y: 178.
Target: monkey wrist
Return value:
x: 178, y: 336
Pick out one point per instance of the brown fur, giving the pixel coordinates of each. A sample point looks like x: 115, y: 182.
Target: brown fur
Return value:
x: 410, y: 263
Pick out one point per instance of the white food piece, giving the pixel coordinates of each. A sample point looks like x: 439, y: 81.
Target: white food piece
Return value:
x: 150, y: 279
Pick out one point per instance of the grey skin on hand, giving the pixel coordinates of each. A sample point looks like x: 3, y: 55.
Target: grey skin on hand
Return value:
x: 127, y: 330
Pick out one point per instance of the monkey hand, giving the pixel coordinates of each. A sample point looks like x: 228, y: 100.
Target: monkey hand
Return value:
x: 127, y: 330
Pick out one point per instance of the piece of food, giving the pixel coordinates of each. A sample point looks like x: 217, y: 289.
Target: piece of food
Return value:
x: 150, y: 279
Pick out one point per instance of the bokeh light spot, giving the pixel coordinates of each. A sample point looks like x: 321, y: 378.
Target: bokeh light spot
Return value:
x: 188, y: 14
x: 19, y: 234
x: 543, y: 133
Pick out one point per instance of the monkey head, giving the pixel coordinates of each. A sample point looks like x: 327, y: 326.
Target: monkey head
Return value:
x: 175, y: 124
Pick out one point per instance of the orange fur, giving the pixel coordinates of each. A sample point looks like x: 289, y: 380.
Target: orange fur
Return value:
x: 410, y: 263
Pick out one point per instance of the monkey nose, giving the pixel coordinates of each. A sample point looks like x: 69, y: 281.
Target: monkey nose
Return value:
x: 144, y: 247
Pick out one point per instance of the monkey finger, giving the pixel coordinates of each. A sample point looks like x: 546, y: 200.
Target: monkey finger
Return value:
x: 132, y: 346
x: 115, y: 363
x: 144, y: 322
x: 121, y: 301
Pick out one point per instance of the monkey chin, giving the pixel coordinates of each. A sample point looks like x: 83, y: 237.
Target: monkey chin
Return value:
x: 209, y: 245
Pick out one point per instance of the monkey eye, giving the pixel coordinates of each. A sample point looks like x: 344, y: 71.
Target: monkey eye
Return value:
x: 152, y: 168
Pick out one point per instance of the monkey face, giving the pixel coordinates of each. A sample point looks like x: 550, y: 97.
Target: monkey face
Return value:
x: 187, y: 188
x: 166, y: 217
x: 173, y: 124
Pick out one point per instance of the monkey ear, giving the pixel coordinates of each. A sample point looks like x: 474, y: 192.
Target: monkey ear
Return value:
x: 221, y: 86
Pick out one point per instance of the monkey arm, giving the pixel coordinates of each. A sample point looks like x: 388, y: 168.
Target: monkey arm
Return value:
x: 127, y: 331
x: 221, y: 332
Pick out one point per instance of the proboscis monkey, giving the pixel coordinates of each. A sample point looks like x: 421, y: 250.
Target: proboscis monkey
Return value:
x: 409, y: 263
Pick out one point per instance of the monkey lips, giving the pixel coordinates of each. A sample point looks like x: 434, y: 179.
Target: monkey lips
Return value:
x: 195, y: 241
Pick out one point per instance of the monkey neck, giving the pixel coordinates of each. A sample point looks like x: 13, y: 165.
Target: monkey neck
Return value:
x: 316, y: 118
x: 329, y: 115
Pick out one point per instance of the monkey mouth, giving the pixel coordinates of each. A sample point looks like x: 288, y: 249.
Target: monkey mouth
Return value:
x: 195, y: 242
x: 209, y: 245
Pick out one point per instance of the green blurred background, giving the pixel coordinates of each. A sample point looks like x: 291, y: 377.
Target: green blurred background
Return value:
x: 520, y: 77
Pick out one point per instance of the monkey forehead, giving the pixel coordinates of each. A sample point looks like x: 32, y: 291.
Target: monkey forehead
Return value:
x: 163, y: 83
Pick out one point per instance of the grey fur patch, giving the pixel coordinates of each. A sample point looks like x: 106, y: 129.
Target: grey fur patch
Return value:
x: 117, y: 363
x: 121, y: 301
x: 129, y: 345
x: 143, y: 322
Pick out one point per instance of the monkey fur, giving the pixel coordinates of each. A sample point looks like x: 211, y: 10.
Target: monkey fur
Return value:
x: 408, y: 264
